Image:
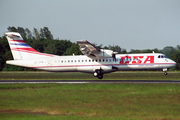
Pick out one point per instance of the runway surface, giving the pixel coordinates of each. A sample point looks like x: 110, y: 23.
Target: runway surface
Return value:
x: 88, y: 81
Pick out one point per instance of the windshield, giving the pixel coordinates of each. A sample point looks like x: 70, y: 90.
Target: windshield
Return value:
x: 162, y: 56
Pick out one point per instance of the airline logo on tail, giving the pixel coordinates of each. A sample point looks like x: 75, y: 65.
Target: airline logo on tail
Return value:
x: 20, y: 49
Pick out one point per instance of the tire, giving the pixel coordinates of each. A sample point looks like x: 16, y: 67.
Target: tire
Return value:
x: 165, y: 73
x: 95, y: 74
x: 100, y: 76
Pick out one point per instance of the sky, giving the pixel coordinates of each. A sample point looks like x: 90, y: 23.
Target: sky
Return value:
x: 130, y: 24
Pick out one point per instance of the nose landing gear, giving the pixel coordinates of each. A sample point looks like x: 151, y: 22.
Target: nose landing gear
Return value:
x: 165, y: 71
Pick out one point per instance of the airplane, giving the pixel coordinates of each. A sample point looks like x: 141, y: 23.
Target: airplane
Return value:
x: 95, y: 61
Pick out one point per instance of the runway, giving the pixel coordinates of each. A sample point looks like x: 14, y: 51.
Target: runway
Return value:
x: 88, y: 81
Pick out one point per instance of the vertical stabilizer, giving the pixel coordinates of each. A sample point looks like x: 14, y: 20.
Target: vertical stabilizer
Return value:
x: 20, y: 50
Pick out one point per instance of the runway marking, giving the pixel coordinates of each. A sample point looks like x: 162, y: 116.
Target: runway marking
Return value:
x: 44, y: 82
x: 89, y: 81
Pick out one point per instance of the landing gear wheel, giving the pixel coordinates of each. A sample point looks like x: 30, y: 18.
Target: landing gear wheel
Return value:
x: 95, y: 74
x: 165, y: 73
x: 100, y: 76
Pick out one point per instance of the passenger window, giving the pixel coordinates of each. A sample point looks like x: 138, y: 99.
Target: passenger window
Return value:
x: 71, y: 60
x: 159, y: 56
x: 82, y: 60
x: 78, y: 60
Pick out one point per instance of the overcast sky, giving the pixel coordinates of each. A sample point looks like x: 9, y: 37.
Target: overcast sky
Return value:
x: 131, y: 24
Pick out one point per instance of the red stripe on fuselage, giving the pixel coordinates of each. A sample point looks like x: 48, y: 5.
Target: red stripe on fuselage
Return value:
x: 115, y: 65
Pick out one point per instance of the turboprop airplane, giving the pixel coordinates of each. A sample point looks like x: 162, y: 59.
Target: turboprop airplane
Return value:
x: 95, y: 61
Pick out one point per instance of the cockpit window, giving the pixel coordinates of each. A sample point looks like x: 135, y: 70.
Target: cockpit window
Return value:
x: 162, y: 56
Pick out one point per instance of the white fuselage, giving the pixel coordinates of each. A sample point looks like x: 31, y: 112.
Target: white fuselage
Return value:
x: 94, y: 60
x: 82, y: 63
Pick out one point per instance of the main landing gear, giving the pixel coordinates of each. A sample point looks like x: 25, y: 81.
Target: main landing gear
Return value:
x: 98, y: 74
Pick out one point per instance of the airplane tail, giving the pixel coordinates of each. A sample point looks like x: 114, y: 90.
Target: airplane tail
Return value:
x: 20, y: 50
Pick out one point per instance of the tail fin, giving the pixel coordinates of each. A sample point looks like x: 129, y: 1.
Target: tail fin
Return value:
x: 20, y: 50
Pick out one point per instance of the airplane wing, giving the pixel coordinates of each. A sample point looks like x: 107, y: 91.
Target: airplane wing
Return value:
x: 88, y: 49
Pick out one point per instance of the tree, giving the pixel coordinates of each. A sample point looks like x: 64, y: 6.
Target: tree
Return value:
x: 51, y: 49
x: 135, y: 51
x: 123, y: 51
x: 115, y: 48
x: 42, y: 35
x: 176, y: 58
x: 2, y: 51
x: 22, y: 32
x: 36, y: 34
x: 62, y: 45
x: 47, y: 33
x: 12, y: 29
x: 168, y: 51
x: 28, y: 34
x: 155, y: 50
x: 178, y: 47
x: 74, y: 49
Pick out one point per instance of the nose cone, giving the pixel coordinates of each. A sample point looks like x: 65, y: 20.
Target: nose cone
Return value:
x: 173, y: 63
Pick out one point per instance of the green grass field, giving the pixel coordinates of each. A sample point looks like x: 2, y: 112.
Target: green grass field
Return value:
x: 89, y: 101
x: 146, y: 75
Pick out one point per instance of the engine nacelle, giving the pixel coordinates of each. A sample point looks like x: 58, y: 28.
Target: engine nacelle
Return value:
x: 92, y: 69
x: 105, y: 69
x: 105, y: 53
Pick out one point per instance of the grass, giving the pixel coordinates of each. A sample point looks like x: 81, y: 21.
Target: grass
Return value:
x: 156, y: 75
x: 89, y: 101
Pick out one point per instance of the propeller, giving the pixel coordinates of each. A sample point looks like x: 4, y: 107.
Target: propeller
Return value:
x: 114, y: 54
x: 114, y: 57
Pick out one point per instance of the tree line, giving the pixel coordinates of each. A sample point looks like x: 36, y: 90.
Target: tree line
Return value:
x: 42, y: 40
